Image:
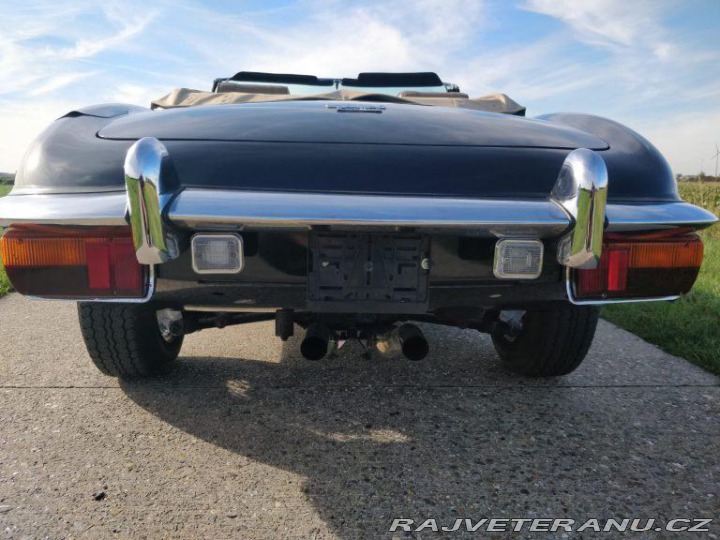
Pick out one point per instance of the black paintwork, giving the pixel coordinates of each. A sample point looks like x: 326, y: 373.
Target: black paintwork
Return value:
x: 460, y: 301
x: 304, y: 146
x: 282, y: 258
x: 632, y: 159
x: 314, y: 122
x: 276, y: 268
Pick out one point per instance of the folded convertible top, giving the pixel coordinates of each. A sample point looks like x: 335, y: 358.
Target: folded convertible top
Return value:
x: 186, y: 97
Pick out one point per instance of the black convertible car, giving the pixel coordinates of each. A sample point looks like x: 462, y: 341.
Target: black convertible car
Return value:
x: 350, y: 207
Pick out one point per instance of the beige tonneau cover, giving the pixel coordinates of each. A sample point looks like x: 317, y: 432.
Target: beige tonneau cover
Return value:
x: 186, y: 97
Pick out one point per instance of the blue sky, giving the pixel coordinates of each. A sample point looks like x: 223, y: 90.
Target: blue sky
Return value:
x: 651, y: 64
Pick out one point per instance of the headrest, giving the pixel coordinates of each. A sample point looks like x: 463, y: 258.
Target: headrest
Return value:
x: 252, y: 88
x: 446, y: 95
x: 389, y: 80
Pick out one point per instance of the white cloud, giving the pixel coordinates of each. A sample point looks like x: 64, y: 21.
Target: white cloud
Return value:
x: 686, y: 140
x: 610, y: 23
x: 40, y: 44
x: 664, y: 83
x: 86, y: 48
x: 58, y: 82
x: 22, y: 122
x: 132, y: 93
x: 339, y: 38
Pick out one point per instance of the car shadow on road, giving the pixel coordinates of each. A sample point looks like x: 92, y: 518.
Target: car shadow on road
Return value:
x: 377, y: 440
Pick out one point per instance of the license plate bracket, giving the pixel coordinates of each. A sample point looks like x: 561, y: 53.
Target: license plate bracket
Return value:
x: 366, y: 272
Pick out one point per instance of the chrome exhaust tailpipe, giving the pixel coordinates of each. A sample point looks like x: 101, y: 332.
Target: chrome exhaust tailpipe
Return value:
x: 407, y: 339
x: 413, y: 343
x: 318, y: 343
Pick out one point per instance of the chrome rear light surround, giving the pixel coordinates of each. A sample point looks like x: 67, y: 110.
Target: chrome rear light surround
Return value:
x: 570, y: 290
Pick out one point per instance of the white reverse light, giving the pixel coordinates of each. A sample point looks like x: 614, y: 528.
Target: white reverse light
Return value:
x: 518, y: 259
x: 217, y: 253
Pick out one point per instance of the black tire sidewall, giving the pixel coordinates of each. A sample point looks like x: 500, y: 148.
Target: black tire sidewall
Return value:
x: 552, y: 342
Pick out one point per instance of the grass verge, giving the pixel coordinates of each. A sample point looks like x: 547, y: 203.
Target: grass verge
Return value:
x: 688, y: 326
x: 4, y: 282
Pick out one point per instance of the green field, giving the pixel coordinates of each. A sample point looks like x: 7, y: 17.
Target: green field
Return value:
x: 706, y: 195
x: 4, y: 283
x: 689, y: 326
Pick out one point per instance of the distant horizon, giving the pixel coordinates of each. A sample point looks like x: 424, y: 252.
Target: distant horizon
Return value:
x: 653, y: 65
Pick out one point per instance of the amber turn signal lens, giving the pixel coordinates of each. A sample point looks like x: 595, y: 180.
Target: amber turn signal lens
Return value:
x: 677, y: 254
x: 18, y: 251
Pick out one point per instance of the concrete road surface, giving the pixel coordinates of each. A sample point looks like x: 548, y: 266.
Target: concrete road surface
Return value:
x: 247, y: 440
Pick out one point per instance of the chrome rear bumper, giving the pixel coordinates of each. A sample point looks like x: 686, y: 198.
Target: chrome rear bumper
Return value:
x: 80, y: 209
x: 199, y: 209
x: 190, y: 210
x: 154, y: 206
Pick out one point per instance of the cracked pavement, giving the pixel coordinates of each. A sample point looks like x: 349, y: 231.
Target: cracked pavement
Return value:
x: 245, y: 439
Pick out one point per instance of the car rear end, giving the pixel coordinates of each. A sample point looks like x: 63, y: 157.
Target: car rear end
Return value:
x: 354, y: 237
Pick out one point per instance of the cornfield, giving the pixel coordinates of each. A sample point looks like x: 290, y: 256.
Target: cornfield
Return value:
x: 707, y: 195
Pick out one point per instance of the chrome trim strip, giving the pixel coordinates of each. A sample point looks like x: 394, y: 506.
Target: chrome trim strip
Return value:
x: 654, y: 216
x: 202, y: 209
x: 149, y: 189
x: 230, y: 309
x: 151, y: 283
x: 581, y: 189
x: 575, y: 301
x: 103, y: 209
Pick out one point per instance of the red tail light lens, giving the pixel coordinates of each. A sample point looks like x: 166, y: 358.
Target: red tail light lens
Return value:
x: 642, y: 267
x: 77, y: 263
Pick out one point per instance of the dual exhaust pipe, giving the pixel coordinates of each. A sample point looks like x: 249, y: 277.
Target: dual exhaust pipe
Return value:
x: 318, y: 342
x: 406, y: 339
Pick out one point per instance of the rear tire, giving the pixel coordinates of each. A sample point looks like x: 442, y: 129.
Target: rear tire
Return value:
x: 124, y: 340
x: 550, y: 342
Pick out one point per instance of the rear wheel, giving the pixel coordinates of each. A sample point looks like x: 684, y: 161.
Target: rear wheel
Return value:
x: 546, y: 343
x: 124, y: 340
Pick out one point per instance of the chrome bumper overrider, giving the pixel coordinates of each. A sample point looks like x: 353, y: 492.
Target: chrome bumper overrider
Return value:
x: 150, y: 183
x: 581, y: 189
